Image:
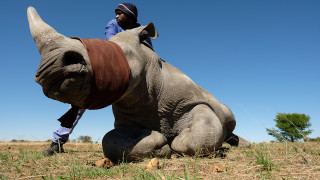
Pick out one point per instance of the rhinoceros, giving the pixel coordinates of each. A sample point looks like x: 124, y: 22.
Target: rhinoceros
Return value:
x: 159, y: 109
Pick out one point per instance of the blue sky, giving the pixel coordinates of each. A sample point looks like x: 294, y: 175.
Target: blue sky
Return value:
x: 258, y: 57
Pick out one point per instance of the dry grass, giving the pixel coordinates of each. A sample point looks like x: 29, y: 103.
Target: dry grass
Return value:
x: 262, y: 161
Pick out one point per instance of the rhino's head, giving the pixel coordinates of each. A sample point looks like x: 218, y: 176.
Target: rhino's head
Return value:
x: 66, y: 72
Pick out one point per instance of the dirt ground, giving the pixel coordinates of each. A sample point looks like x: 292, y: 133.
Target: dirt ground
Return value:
x: 23, y: 160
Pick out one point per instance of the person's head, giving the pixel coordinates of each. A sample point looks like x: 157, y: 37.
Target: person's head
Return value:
x: 126, y: 15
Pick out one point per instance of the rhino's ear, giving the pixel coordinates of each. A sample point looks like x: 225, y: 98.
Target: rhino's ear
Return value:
x: 149, y: 31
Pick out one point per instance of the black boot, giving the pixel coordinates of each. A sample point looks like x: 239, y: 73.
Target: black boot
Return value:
x: 54, y: 147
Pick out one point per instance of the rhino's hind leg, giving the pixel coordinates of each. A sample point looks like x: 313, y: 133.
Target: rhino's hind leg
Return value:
x: 206, y: 133
x: 130, y: 144
x: 229, y: 119
x: 231, y: 138
x: 238, y: 141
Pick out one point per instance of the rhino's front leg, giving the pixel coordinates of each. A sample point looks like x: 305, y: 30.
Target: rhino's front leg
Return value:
x: 206, y: 133
x: 131, y: 143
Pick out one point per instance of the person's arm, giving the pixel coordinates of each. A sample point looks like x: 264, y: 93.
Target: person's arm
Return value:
x: 111, y: 29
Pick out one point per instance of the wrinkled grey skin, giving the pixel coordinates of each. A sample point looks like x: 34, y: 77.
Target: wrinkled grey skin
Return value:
x: 162, y: 111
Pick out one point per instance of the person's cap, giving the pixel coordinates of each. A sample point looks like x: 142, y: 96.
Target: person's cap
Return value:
x: 129, y: 9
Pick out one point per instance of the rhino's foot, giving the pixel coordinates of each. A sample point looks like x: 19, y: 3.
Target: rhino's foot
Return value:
x: 238, y: 141
x: 205, y: 135
x: 132, y: 144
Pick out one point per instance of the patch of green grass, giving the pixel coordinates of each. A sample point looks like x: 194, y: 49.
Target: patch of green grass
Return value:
x: 199, y: 153
x: 263, y: 159
x: 80, y: 171
x: 248, y: 154
x: 155, y: 174
x: 27, y: 155
x: 187, y: 174
x: 4, y: 157
x: 296, y: 149
x: 3, y: 177
x: 266, y: 175
x: 142, y: 173
x: 122, y: 169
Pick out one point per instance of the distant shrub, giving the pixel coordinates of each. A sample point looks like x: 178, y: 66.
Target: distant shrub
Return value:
x: 16, y: 140
x: 85, y: 139
x: 317, y: 139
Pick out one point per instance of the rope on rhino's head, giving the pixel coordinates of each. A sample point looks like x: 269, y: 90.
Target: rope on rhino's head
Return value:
x: 110, y: 72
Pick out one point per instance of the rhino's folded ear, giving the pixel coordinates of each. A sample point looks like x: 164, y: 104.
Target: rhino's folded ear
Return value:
x: 149, y: 31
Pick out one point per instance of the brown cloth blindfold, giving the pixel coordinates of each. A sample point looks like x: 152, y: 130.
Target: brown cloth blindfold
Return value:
x: 110, y: 72
x: 111, y: 77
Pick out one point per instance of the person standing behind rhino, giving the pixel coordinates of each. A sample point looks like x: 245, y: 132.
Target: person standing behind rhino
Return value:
x: 126, y: 18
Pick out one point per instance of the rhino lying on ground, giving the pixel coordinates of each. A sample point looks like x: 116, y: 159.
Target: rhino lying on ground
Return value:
x: 159, y: 109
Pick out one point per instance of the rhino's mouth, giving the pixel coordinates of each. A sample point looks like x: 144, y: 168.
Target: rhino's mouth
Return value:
x: 70, y: 78
x: 66, y: 79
